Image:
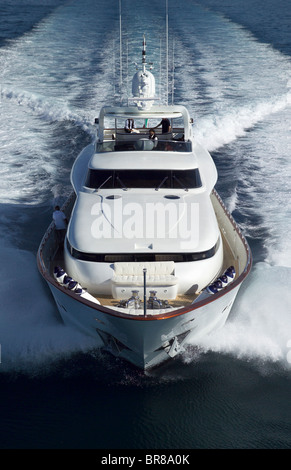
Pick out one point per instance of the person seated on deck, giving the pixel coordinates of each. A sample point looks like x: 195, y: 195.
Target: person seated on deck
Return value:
x: 166, y: 125
x: 153, y: 137
x: 129, y: 126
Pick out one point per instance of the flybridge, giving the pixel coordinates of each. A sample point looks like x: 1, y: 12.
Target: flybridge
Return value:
x: 156, y: 112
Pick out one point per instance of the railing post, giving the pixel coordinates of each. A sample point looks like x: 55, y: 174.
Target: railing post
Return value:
x: 144, y: 292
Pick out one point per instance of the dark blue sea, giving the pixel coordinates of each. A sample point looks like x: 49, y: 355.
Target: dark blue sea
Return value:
x: 230, y: 64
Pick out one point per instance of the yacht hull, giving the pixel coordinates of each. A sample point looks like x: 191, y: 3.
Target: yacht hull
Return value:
x: 145, y: 341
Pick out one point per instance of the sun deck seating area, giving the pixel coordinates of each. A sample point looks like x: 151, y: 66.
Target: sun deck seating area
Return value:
x: 160, y: 276
x: 142, y: 134
x: 117, y: 139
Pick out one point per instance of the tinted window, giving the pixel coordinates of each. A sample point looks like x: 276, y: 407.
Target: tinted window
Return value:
x: 185, y: 179
x: 140, y: 257
x: 130, y: 145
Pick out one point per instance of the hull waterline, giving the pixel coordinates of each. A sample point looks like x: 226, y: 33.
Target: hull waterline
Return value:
x: 146, y: 342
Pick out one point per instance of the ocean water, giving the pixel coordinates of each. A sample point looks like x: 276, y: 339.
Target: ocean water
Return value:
x: 229, y: 63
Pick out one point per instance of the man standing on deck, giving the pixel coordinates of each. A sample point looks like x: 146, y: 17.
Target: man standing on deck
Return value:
x: 166, y: 125
x: 61, y: 223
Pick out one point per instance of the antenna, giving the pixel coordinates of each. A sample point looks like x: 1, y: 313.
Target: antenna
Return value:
x: 127, y: 68
x: 167, y: 52
x: 120, y: 51
x: 160, y: 87
x: 173, y: 72
x: 144, y: 45
x: 114, y: 71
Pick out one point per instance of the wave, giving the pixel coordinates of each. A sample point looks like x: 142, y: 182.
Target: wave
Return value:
x: 217, y: 131
x: 258, y: 329
x: 18, y: 18
x: 47, y: 109
x: 272, y: 27
x: 31, y: 337
x: 46, y: 115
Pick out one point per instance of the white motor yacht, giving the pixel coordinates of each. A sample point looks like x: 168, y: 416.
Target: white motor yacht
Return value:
x: 152, y: 259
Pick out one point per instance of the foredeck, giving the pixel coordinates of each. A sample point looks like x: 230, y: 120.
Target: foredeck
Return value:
x: 236, y: 253
x: 179, y: 301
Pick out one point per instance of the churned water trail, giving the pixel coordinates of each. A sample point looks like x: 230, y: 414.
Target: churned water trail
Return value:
x: 241, y: 99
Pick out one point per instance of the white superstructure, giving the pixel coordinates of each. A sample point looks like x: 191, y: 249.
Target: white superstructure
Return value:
x: 144, y: 200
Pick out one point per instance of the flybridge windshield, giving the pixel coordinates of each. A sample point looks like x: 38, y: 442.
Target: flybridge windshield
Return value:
x: 179, y: 179
x: 143, y: 144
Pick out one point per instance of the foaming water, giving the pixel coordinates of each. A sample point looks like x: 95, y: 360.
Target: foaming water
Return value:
x: 260, y: 324
x: 33, y: 336
x: 48, y: 101
x: 47, y: 80
x: 227, y: 126
x: 239, y: 90
x: 230, y: 85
